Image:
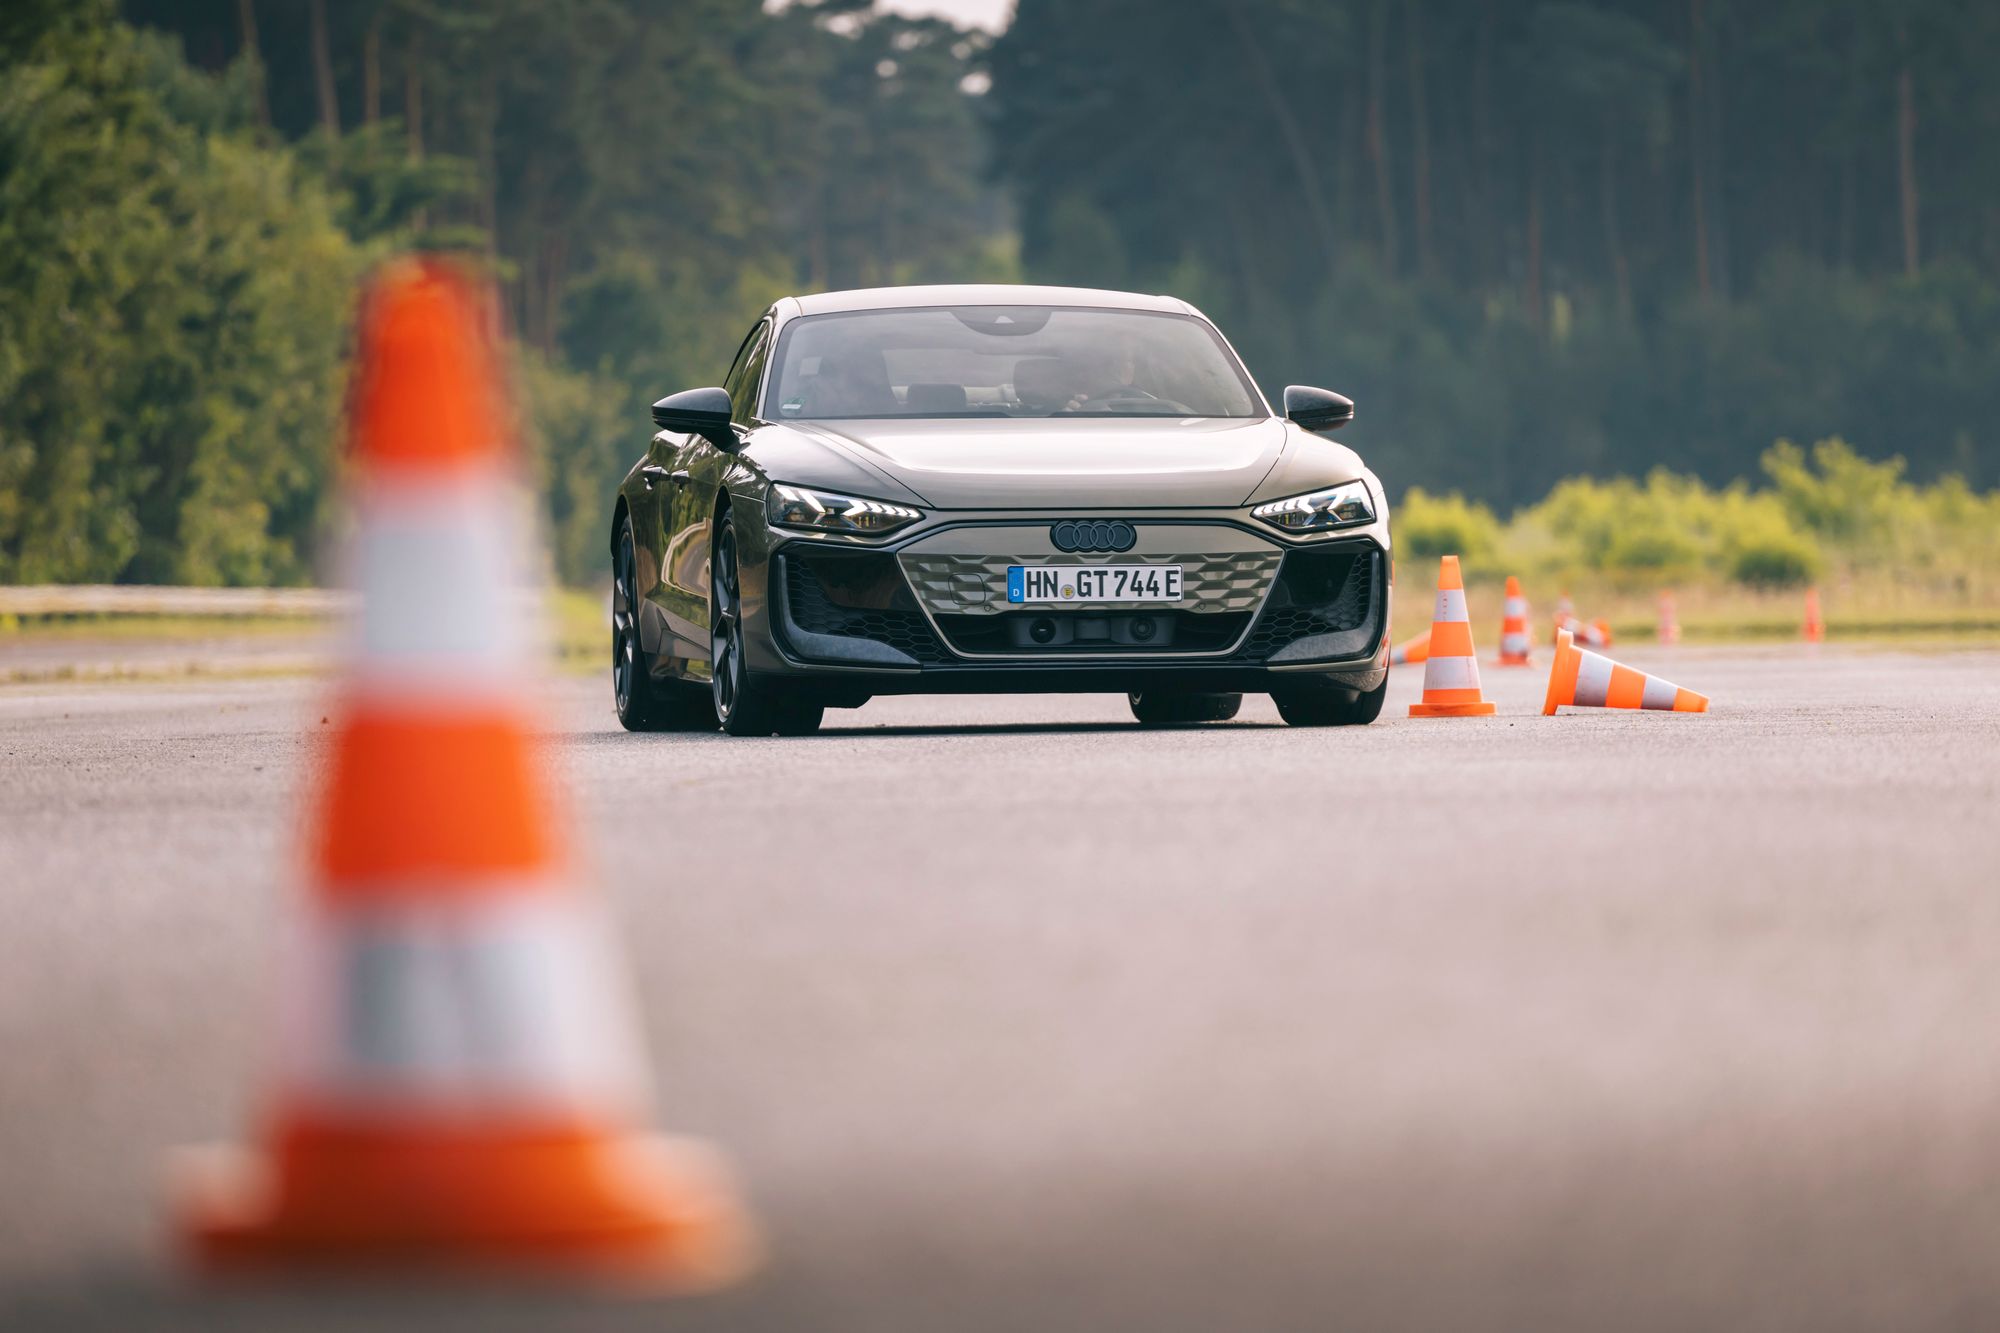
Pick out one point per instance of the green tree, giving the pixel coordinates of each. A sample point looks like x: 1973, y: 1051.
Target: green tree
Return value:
x: 173, y: 301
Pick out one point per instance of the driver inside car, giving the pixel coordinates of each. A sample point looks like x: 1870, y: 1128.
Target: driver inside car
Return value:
x: 1114, y: 376
x: 853, y: 384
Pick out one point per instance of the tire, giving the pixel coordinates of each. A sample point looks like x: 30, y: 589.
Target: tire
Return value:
x: 643, y: 703
x: 1175, y: 708
x: 746, y: 704
x: 1330, y: 705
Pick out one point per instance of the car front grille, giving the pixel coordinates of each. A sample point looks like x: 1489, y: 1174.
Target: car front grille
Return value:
x: 858, y: 595
x: 1323, y: 606
x: 976, y: 585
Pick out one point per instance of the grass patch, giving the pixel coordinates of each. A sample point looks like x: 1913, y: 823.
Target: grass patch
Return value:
x: 580, y: 627
x: 152, y: 629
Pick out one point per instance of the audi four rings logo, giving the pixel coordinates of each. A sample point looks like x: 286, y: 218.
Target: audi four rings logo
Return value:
x: 1088, y: 536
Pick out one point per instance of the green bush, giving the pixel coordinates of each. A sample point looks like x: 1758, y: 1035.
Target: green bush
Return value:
x: 1435, y: 525
x: 1772, y: 557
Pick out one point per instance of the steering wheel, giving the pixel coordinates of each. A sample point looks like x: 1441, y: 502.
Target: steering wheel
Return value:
x: 1133, y: 395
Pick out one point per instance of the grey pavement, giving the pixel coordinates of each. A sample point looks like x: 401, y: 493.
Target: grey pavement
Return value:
x: 1014, y: 1016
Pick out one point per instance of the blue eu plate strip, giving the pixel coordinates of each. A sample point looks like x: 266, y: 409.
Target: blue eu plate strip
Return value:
x: 1015, y: 592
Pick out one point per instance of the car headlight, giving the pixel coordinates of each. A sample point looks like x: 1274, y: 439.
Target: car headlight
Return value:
x: 821, y: 511
x: 1340, y: 506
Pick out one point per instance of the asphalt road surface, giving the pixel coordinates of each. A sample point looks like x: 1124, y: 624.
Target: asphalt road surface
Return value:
x: 1014, y: 1016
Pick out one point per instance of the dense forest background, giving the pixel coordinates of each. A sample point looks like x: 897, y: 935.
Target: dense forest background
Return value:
x: 1533, y: 240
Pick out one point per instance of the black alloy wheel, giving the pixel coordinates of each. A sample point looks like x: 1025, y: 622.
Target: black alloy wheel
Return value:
x: 643, y: 703
x: 747, y: 705
x: 725, y: 627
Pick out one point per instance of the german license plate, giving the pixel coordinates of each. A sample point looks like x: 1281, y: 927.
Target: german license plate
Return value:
x: 1093, y: 583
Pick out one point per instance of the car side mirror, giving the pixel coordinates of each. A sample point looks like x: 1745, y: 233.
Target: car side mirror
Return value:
x: 1317, y: 409
x: 703, y: 412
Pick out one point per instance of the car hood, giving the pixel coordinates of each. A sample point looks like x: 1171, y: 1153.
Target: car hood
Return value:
x: 1042, y: 463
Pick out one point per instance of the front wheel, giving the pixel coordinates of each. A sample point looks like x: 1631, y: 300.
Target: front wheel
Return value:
x: 1329, y: 705
x: 643, y: 703
x: 747, y: 705
x: 1162, y: 708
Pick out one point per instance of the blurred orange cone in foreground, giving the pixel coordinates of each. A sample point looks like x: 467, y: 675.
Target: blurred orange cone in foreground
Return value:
x: 1451, y: 675
x: 1585, y: 679
x: 460, y: 1073
x: 1514, y: 626
x: 1670, y: 625
x: 1416, y: 648
x: 1814, y: 628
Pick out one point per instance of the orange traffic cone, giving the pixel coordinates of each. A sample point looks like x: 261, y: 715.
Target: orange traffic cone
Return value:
x: 1585, y: 679
x: 1451, y: 674
x: 1565, y: 616
x: 1416, y: 648
x: 1595, y: 633
x: 1514, y: 626
x: 1814, y: 628
x: 1670, y: 625
x: 461, y: 1071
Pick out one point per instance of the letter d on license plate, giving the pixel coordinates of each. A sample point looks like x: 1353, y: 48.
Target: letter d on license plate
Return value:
x: 1093, y: 583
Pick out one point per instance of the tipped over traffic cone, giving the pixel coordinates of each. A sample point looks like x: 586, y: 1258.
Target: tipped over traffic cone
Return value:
x: 461, y: 1073
x: 1414, y: 649
x: 1451, y: 674
x: 1514, y: 627
x: 1592, y: 633
x: 1585, y: 679
x: 1670, y: 625
x: 1814, y: 629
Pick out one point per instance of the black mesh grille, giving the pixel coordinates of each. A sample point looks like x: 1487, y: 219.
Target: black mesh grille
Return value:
x: 858, y: 595
x: 1317, y: 592
x: 1166, y: 632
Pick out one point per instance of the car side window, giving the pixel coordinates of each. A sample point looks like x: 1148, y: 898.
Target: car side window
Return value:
x: 747, y: 375
x: 735, y: 375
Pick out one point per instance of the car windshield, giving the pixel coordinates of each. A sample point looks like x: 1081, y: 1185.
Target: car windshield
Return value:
x: 1005, y: 361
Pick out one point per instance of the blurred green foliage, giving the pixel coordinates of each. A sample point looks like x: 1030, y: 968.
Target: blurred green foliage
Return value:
x: 1546, y: 238
x: 173, y: 300
x: 1824, y: 512
x: 1537, y: 242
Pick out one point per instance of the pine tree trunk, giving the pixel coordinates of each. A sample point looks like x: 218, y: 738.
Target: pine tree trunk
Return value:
x: 1420, y: 136
x: 1715, y: 137
x: 1906, y: 165
x: 1696, y: 149
x: 413, y: 94
x: 371, y: 72
x: 1614, y: 244
x: 246, y: 22
x: 1533, y: 294
x: 1378, y: 138
x: 1296, y: 144
x: 322, y: 58
x: 1488, y: 257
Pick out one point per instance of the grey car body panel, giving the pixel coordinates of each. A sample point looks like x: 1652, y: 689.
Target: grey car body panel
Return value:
x: 1067, y: 462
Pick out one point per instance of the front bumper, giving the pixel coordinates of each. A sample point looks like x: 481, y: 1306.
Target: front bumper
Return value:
x: 931, y: 615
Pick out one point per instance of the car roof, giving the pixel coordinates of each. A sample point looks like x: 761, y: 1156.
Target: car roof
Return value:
x: 988, y: 293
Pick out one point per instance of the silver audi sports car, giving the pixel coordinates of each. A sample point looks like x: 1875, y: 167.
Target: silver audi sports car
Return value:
x: 983, y: 489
